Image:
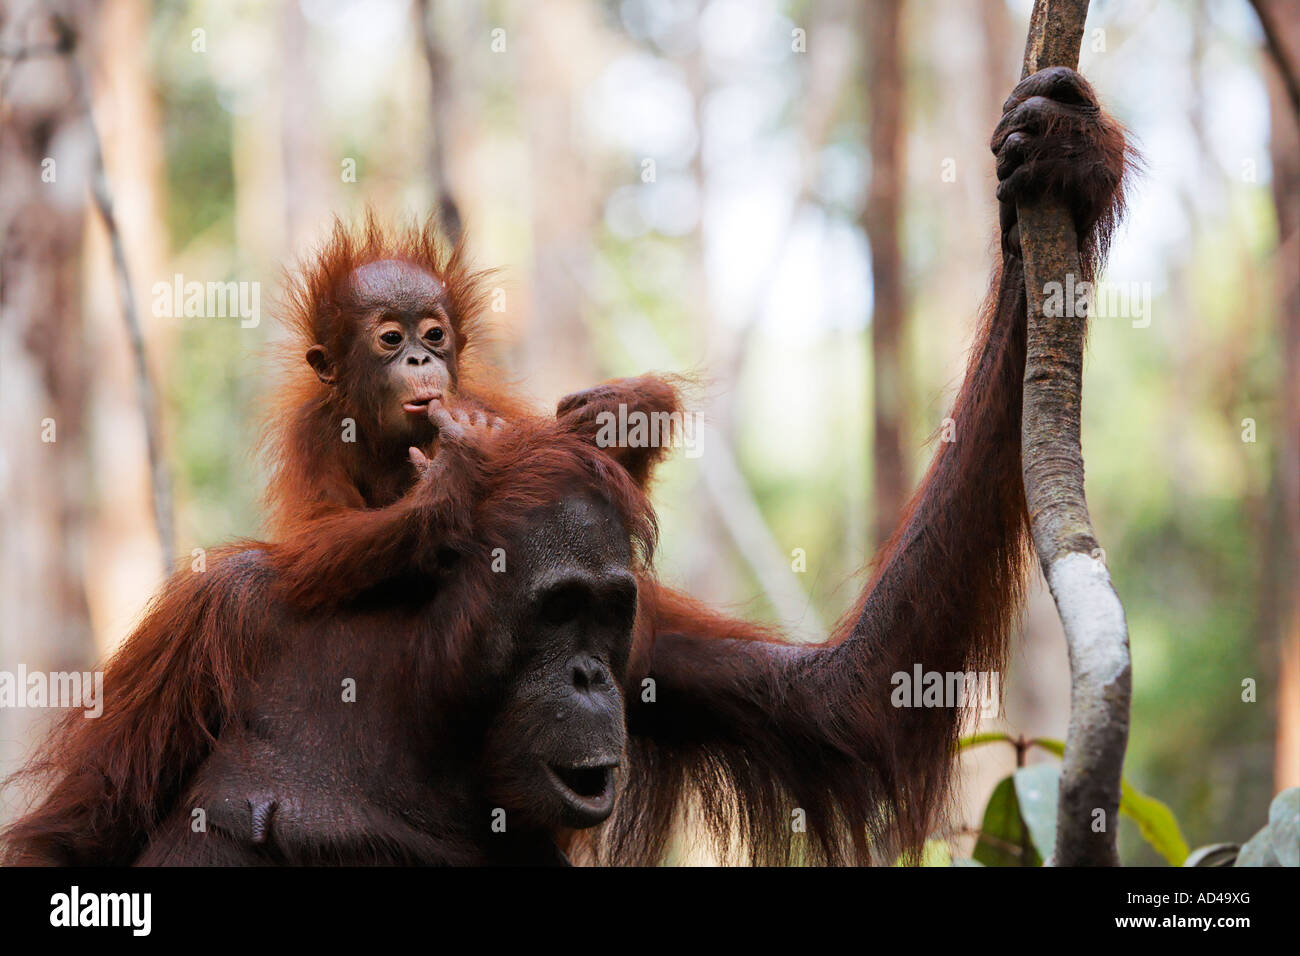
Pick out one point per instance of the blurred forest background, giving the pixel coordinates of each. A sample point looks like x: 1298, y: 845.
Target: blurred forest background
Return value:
x: 790, y: 198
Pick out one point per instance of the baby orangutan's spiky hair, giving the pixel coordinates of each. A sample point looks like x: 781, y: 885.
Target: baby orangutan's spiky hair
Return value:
x: 314, y: 298
x: 312, y: 472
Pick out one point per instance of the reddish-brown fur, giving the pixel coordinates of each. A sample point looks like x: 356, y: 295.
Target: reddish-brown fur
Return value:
x: 873, y: 780
x: 314, y: 473
x: 751, y: 727
x: 357, y: 496
x: 186, y: 669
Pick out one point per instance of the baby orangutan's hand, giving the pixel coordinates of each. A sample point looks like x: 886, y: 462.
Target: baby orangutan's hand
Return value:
x: 459, y: 428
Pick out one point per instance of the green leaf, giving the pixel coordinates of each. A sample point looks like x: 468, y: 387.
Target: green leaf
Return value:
x: 1003, y: 833
x: 1037, y: 789
x: 1258, y: 850
x: 1284, y: 822
x: 936, y: 853
x: 1049, y: 744
x: 1156, y: 822
x: 975, y: 740
x: 1278, y: 841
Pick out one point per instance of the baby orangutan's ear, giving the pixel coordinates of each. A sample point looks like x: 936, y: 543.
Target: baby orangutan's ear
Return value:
x: 319, y: 360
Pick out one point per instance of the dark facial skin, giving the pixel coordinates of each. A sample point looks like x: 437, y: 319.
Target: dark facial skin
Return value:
x: 403, y: 349
x: 303, y: 778
x: 553, y: 750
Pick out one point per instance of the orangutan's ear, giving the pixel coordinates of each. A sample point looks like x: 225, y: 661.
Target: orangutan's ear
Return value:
x: 319, y: 359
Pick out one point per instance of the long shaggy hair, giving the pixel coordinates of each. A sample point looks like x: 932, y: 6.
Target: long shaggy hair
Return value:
x: 106, y: 784
x: 761, y: 729
x: 754, y: 731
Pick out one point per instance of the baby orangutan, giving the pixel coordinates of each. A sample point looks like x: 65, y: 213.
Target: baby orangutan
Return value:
x: 389, y: 320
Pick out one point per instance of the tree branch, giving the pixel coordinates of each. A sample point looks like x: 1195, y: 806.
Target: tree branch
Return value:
x: 1052, y: 464
x: 448, y: 210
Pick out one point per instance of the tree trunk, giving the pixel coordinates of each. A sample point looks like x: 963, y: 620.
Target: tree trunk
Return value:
x: 44, y: 165
x: 1282, y: 560
x: 555, y: 353
x: 881, y: 220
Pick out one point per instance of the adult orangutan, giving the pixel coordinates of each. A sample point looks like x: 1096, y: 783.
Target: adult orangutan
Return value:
x: 455, y: 714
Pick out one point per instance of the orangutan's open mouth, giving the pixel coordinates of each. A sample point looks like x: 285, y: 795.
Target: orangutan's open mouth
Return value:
x: 588, y: 791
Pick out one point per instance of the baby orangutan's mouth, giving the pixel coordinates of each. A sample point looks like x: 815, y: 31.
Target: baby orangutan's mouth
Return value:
x: 420, y: 403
